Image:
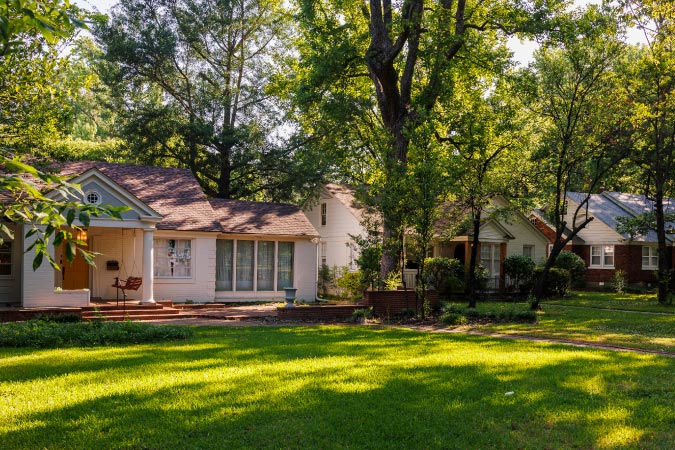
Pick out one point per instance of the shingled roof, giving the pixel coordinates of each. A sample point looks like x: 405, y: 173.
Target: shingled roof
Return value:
x: 346, y: 195
x: 173, y: 193
x: 243, y: 217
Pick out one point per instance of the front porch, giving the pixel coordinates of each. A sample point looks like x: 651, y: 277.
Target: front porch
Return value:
x: 119, y: 253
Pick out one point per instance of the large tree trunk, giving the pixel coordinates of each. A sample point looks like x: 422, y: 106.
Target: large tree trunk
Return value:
x: 540, y: 284
x: 473, y: 259
x: 664, y: 266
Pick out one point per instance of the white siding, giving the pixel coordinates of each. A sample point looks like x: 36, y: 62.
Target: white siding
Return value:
x: 340, y: 223
x: 525, y: 235
x: 596, y: 232
x: 38, y: 286
x: 491, y: 233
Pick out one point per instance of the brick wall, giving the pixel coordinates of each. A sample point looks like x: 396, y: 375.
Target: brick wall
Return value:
x: 322, y: 312
x: 626, y: 257
x: 549, y: 233
x: 391, y: 303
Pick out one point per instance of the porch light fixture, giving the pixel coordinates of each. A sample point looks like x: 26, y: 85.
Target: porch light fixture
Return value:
x: 81, y: 235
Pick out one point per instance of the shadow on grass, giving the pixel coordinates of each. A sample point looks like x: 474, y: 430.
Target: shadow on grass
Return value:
x: 339, y: 387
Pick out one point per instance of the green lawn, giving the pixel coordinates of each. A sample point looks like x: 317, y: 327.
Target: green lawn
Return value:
x: 610, y: 300
x: 628, y: 320
x: 335, y: 387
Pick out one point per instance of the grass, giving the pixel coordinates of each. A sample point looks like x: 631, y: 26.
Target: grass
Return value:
x: 335, y: 387
x: 627, y: 320
x: 610, y: 300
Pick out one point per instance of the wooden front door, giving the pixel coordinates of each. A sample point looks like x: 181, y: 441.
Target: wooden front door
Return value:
x: 75, y: 275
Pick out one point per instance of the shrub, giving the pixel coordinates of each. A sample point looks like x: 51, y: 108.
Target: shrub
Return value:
x: 369, y: 264
x: 482, y: 276
x: 574, y: 265
x: 393, y: 281
x: 456, y: 315
x: 451, y: 318
x: 60, y: 318
x: 557, y: 281
x: 351, y: 284
x: 445, y: 275
x: 362, y: 314
x: 519, y: 268
x: 619, y: 281
x: 46, y: 334
x: 408, y: 313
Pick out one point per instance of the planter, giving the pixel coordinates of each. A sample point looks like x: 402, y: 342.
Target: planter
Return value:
x: 77, y: 298
x: 290, y: 296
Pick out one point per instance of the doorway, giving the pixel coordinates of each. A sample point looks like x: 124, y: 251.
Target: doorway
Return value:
x: 75, y: 275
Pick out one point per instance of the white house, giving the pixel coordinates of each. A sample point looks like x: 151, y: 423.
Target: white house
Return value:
x: 183, y: 245
x: 498, y: 239
x: 336, y: 216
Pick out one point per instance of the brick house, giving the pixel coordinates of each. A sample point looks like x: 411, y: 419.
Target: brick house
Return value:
x: 602, y: 247
x: 183, y: 245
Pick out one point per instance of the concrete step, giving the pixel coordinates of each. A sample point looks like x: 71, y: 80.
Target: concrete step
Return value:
x: 132, y: 312
x: 144, y: 317
x: 128, y: 307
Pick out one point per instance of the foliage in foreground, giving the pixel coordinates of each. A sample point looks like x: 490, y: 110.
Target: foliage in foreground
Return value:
x: 53, y: 334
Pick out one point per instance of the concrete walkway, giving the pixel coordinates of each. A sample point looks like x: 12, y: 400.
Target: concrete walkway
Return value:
x: 571, y: 342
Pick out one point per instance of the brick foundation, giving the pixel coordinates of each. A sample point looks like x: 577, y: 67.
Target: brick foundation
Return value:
x: 318, y: 313
x: 391, y: 303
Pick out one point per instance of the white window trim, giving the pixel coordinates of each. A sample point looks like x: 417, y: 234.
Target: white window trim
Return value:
x: 255, y: 266
x: 324, y: 214
x: 653, y: 252
x: 90, y: 192
x: 192, y: 259
x: 602, y: 264
x: 495, y: 258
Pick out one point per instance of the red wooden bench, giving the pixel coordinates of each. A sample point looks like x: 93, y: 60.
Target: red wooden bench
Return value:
x: 130, y: 284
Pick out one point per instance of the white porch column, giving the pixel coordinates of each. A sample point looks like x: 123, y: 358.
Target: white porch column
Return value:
x: 148, y: 267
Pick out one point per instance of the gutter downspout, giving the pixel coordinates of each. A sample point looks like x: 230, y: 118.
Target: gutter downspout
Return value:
x: 316, y: 296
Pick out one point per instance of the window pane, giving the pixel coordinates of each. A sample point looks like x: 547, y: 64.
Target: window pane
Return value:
x: 224, y: 257
x: 265, y: 265
x: 244, y: 265
x: 285, y: 269
x: 595, y: 255
x: 173, y: 258
x: 608, y: 255
x: 6, y: 258
x: 528, y: 250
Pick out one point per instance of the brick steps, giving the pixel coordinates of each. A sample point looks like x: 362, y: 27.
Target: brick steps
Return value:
x: 128, y: 307
x: 131, y: 312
